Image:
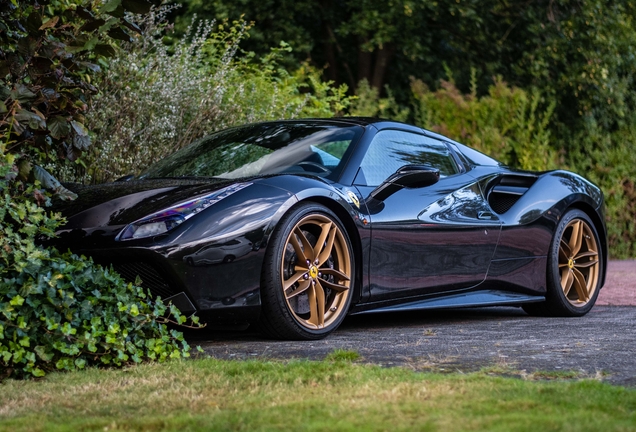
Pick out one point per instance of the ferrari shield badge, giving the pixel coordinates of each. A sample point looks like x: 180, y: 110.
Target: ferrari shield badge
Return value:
x: 354, y: 199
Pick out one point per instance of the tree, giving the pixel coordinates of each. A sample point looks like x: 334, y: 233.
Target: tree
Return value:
x: 48, y: 52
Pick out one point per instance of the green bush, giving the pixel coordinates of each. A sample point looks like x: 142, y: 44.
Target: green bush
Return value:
x: 608, y: 159
x: 507, y: 124
x: 156, y: 96
x: 60, y: 311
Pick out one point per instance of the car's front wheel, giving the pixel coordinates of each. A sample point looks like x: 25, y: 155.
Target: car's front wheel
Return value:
x: 574, y: 268
x: 308, y: 275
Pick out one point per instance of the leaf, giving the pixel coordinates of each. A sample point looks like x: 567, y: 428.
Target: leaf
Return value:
x: 91, y: 66
x: 92, y: 25
x: 27, y: 46
x: 58, y: 126
x: 91, y: 43
x: 119, y: 33
x: 104, y: 50
x: 43, y: 353
x: 132, y: 26
x: 4, y: 91
x: 50, y: 23
x: 84, y: 13
x: 33, y: 23
x: 22, y: 94
x: 111, y: 5
x: 136, y: 6
x: 17, y: 301
x: 32, y: 119
x: 79, y: 128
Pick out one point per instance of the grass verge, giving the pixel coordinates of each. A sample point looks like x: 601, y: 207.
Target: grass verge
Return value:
x: 334, y: 394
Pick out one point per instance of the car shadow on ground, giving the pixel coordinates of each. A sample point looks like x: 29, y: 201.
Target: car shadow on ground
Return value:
x: 369, y: 321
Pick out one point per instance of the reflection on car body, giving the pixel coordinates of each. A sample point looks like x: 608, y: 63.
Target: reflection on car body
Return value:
x: 225, y: 252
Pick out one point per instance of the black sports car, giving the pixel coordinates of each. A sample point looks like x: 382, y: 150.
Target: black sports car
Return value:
x: 292, y: 225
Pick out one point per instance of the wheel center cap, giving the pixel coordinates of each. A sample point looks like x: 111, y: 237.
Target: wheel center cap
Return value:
x: 571, y: 263
x: 313, y: 272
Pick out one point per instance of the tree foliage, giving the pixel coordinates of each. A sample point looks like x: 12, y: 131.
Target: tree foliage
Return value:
x: 157, y: 97
x: 48, y: 53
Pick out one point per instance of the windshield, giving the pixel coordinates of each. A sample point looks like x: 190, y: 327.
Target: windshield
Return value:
x: 319, y: 148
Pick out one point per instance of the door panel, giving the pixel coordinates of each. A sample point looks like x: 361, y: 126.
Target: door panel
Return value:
x: 432, y: 239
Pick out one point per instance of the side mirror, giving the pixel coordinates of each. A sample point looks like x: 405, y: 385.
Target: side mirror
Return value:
x: 410, y: 177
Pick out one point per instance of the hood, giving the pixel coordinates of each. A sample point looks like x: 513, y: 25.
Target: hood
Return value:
x: 120, y: 203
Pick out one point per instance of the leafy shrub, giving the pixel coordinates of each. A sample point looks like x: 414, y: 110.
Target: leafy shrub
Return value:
x: 47, y: 54
x: 155, y: 97
x: 59, y: 311
x: 609, y: 159
x: 368, y: 103
x: 507, y: 124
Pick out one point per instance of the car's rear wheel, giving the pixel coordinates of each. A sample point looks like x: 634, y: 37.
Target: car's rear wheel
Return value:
x: 574, y: 268
x: 308, y: 275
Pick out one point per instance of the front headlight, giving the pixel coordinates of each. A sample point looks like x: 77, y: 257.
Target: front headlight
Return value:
x: 165, y: 220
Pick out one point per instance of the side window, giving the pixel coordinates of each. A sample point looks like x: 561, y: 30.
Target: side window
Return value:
x: 392, y: 149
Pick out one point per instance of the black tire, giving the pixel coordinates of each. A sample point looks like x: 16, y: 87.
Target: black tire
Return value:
x: 319, y: 281
x: 575, y: 268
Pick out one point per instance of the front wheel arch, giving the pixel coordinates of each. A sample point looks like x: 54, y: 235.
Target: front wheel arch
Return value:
x: 354, y: 236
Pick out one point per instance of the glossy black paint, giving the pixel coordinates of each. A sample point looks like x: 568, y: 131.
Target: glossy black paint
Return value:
x: 431, y: 246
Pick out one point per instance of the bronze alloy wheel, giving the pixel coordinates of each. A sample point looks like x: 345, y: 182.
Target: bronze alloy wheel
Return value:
x: 578, y: 262
x: 574, y: 270
x: 316, y: 272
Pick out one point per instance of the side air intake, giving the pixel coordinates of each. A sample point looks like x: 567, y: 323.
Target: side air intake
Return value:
x: 506, y: 191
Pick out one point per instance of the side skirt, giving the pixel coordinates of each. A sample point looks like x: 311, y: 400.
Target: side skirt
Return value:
x: 470, y: 299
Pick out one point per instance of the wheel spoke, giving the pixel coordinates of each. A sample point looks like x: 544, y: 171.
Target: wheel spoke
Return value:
x: 585, y: 264
x: 302, y: 287
x: 589, y: 253
x: 308, y: 250
x: 326, y: 251
x: 333, y: 286
x: 566, y: 281
x: 299, y: 250
x: 324, y: 232
x: 320, y: 300
x: 292, y: 280
x: 580, y: 285
x: 313, y: 306
x: 334, y: 272
x: 564, y: 251
x: 576, y: 239
x: 316, y: 305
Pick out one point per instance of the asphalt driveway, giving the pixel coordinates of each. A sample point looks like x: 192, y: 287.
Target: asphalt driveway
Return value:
x: 601, y: 344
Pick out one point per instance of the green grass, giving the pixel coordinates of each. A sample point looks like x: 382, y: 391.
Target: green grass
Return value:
x: 334, y: 394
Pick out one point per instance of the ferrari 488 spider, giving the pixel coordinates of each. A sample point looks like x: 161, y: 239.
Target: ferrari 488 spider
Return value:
x: 292, y: 225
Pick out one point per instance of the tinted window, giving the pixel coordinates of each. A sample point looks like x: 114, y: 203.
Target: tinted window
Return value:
x: 393, y: 149
x: 263, y: 149
x: 477, y: 158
